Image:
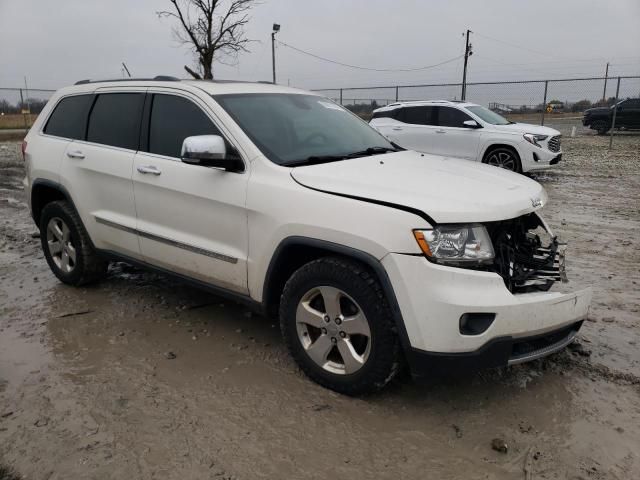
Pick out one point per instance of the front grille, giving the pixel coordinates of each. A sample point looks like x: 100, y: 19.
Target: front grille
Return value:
x: 554, y: 143
x: 524, y: 262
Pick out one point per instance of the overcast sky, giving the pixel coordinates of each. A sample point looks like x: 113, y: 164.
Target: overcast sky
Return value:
x: 55, y: 43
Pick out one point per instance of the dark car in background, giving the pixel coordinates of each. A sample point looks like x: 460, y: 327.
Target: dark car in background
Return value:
x: 601, y: 118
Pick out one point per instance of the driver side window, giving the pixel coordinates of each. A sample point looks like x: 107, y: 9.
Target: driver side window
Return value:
x: 452, y: 117
x: 173, y: 119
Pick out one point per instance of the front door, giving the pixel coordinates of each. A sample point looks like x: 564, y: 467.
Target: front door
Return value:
x: 452, y: 138
x: 191, y: 219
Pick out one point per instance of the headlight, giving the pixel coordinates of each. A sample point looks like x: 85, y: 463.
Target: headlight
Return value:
x: 456, y: 244
x: 534, y: 139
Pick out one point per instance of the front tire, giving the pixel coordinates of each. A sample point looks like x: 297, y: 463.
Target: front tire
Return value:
x: 338, y: 326
x: 67, y: 247
x: 503, y: 157
x: 600, y: 126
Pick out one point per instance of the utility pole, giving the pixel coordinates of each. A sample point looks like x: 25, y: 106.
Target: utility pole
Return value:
x: 467, y: 54
x: 276, y: 29
x: 604, y: 92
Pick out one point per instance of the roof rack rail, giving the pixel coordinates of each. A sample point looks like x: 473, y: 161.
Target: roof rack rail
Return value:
x: 157, y: 78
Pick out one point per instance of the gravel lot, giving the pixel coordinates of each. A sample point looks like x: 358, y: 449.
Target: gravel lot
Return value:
x: 88, y: 388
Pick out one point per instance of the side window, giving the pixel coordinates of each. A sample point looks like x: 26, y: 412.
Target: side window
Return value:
x: 115, y: 120
x: 414, y: 115
x: 451, y: 117
x: 172, y: 120
x: 417, y: 115
x: 386, y: 114
x: 69, y: 119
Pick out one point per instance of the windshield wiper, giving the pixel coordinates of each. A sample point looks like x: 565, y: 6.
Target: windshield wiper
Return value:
x: 370, y: 151
x: 314, y: 160
x: 317, y: 159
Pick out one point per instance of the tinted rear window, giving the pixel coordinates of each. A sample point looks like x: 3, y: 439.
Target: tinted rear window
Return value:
x: 69, y: 118
x: 385, y: 114
x: 115, y: 120
x: 417, y: 115
x: 172, y: 120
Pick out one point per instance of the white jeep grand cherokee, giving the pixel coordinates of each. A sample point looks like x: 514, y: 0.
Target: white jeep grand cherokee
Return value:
x: 372, y: 256
x: 469, y: 131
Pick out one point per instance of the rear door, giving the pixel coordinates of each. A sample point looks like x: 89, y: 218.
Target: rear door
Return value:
x: 97, y: 169
x: 415, y: 128
x: 191, y: 219
x: 628, y: 114
x: 452, y: 138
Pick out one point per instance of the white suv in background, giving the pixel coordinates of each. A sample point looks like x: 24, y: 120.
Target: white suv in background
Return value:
x: 371, y: 256
x: 469, y: 131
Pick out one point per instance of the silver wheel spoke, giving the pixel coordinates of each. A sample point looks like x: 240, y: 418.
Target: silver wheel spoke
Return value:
x: 72, y: 253
x: 331, y: 297
x: 64, y: 261
x: 352, y: 361
x: 356, y: 325
x: 55, y: 248
x: 56, y: 230
x: 65, y: 233
x: 319, y: 350
x: 308, y: 315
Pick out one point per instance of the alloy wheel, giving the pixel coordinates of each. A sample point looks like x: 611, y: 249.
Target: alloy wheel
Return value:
x: 333, y: 330
x: 502, y: 159
x: 62, y: 251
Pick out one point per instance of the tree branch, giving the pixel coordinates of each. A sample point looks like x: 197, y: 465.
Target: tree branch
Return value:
x: 212, y: 36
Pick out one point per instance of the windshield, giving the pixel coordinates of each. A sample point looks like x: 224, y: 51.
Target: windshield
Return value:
x: 300, y: 129
x: 488, y: 116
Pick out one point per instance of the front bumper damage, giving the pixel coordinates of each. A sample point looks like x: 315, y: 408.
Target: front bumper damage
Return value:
x: 521, y: 320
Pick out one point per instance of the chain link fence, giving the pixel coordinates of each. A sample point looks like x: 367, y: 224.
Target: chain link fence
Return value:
x: 558, y: 103
x: 19, y: 107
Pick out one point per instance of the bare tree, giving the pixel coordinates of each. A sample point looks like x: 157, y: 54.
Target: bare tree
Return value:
x: 213, y: 36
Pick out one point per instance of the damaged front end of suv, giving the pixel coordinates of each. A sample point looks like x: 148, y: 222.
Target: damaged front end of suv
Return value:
x: 528, y: 256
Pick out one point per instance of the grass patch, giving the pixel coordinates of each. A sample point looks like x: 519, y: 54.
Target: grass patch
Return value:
x: 11, y: 121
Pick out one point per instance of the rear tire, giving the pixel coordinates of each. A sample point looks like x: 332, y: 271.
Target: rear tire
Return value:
x: 349, y: 342
x: 67, y: 247
x: 503, y: 157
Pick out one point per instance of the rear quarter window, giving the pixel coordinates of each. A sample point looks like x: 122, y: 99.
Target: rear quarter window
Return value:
x: 69, y: 117
x: 385, y: 114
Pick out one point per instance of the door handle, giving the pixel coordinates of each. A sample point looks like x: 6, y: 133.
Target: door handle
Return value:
x: 76, y: 154
x: 397, y: 128
x: 149, y: 169
x: 440, y: 131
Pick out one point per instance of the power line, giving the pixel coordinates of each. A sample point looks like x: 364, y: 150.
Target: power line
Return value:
x: 318, y: 57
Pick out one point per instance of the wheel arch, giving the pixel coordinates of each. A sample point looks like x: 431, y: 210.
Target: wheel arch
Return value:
x: 295, y: 251
x: 493, y: 145
x: 45, y: 191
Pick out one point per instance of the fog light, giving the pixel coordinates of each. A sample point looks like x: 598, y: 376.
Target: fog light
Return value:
x: 476, y: 323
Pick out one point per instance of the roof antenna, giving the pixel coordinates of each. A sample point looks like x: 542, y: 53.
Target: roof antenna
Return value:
x: 126, y: 69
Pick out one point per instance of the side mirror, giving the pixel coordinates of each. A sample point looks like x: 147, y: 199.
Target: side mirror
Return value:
x: 209, y: 151
x: 471, y: 124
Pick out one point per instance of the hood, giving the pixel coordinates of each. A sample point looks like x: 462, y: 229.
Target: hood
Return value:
x: 448, y: 190
x: 597, y: 110
x: 526, y: 128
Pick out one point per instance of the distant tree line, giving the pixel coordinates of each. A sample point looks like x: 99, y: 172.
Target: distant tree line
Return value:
x: 34, y: 105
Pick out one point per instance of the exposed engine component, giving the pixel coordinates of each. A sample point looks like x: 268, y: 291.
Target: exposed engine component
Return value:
x: 527, y: 256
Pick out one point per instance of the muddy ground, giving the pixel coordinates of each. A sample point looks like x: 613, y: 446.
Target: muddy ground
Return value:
x: 87, y: 390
